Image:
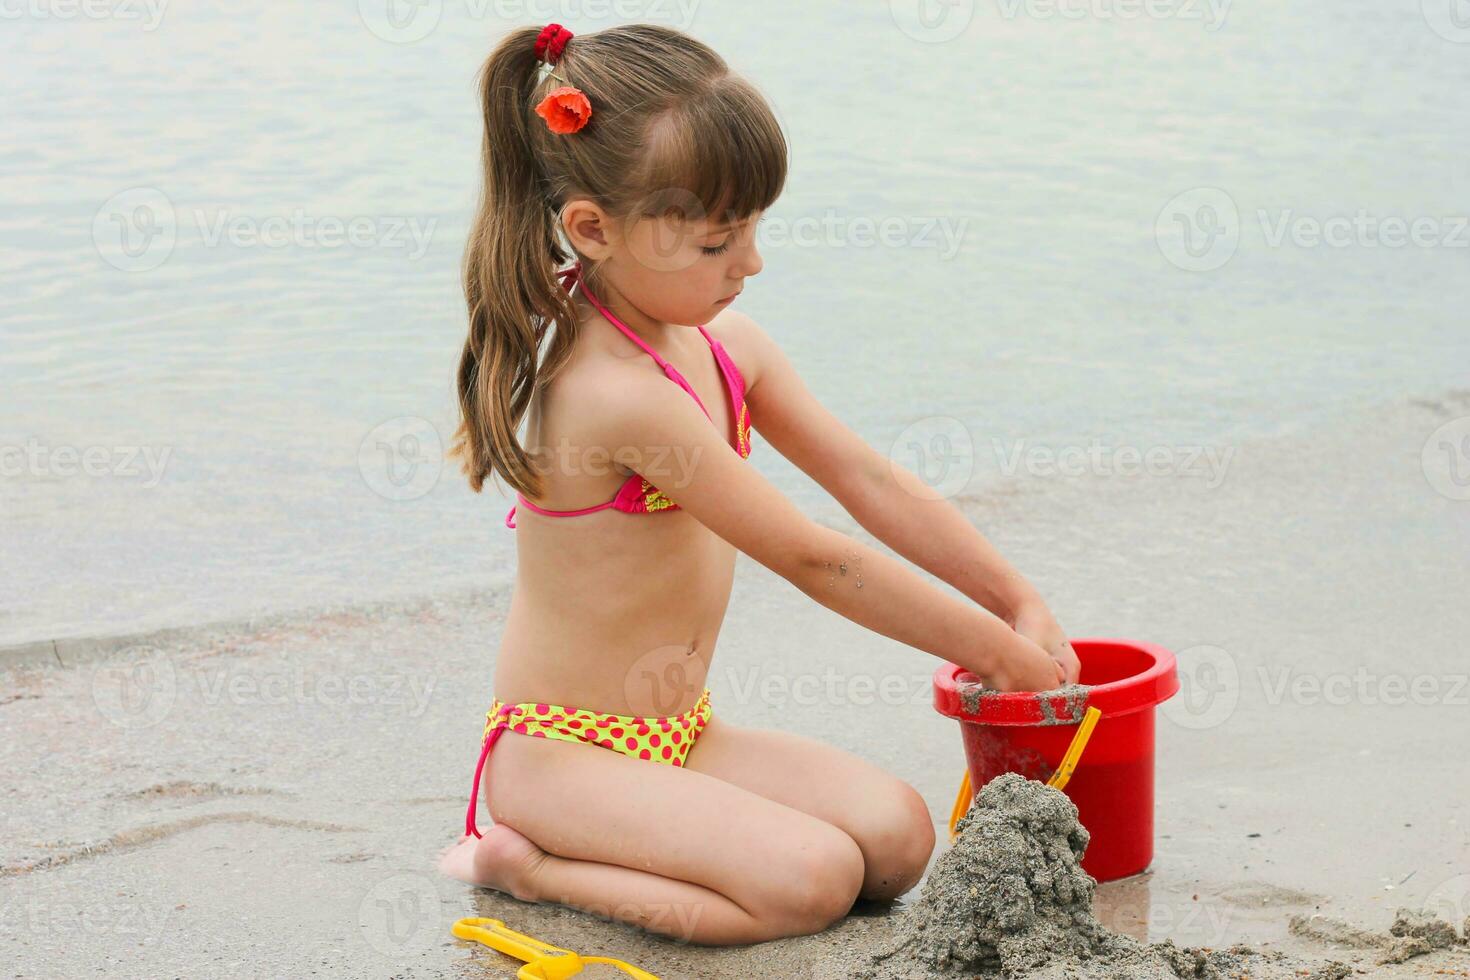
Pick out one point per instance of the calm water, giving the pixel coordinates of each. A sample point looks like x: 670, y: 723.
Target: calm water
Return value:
x: 230, y: 239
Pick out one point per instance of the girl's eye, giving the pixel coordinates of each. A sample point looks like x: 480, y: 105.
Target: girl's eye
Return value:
x: 716, y: 250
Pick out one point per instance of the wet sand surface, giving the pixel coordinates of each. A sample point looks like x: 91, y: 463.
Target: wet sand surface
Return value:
x: 267, y: 799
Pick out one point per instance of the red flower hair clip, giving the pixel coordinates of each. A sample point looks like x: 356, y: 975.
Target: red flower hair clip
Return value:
x: 565, y: 109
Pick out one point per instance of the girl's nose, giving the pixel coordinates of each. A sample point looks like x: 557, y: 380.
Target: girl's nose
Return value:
x: 751, y: 263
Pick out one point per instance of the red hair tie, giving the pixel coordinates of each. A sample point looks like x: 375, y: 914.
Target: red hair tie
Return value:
x: 565, y: 109
x: 551, y: 42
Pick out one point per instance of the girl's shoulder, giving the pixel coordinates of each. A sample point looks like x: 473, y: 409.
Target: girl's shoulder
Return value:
x: 743, y: 339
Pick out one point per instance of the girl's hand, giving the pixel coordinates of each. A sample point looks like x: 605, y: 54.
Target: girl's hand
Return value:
x: 1035, y: 623
x: 1025, y: 667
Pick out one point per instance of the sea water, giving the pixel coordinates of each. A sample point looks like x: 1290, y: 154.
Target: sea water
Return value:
x: 1018, y: 238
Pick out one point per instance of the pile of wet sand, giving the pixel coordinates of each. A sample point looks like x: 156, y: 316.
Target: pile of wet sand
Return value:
x: 1010, y: 900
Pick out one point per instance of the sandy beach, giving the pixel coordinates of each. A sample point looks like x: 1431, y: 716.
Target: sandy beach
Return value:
x: 1116, y: 278
x: 267, y: 798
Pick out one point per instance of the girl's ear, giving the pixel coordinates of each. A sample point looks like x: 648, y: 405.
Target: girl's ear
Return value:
x: 589, y: 229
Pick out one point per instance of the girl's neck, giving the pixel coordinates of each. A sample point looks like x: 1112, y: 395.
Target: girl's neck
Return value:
x: 655, y: 333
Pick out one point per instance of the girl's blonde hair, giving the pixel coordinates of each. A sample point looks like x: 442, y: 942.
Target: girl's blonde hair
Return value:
x: 672, y: 130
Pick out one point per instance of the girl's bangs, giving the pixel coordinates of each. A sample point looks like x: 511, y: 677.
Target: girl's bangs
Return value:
x: 722, y: 158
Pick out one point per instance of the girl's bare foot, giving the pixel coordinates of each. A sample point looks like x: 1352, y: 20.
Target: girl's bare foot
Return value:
x: 502, y: 859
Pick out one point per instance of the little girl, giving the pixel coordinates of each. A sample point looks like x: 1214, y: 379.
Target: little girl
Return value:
x: 644, y: 162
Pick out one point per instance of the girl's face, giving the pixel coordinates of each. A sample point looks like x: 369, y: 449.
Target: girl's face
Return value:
x: 684, y: 272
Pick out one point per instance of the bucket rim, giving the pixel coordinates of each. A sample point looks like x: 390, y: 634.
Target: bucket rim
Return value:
x: 1146, y: 689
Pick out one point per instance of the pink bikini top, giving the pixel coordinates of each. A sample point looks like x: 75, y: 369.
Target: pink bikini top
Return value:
x: 637, y: 495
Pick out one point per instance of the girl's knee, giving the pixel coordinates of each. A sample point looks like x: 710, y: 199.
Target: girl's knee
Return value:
x: 898, y: 840
x: 815, y: 885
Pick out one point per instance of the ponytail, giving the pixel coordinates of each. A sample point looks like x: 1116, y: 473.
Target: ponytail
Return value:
x: 510, y: 282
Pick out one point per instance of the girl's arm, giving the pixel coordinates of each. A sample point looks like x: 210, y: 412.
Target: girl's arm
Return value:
x: 889, y: 501
x: 660, y: 432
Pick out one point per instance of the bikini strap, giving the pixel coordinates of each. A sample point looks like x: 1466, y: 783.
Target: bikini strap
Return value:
x: 568, y: 276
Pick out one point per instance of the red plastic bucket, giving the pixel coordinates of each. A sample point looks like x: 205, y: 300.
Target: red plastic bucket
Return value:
x: 1113, y: 786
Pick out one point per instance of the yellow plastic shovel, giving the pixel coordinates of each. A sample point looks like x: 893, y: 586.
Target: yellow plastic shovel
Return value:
x: 1058, y: 779
x: 543, y: 960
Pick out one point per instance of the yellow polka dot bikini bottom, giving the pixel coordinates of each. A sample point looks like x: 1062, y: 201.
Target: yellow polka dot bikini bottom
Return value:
x: 665, y: 739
